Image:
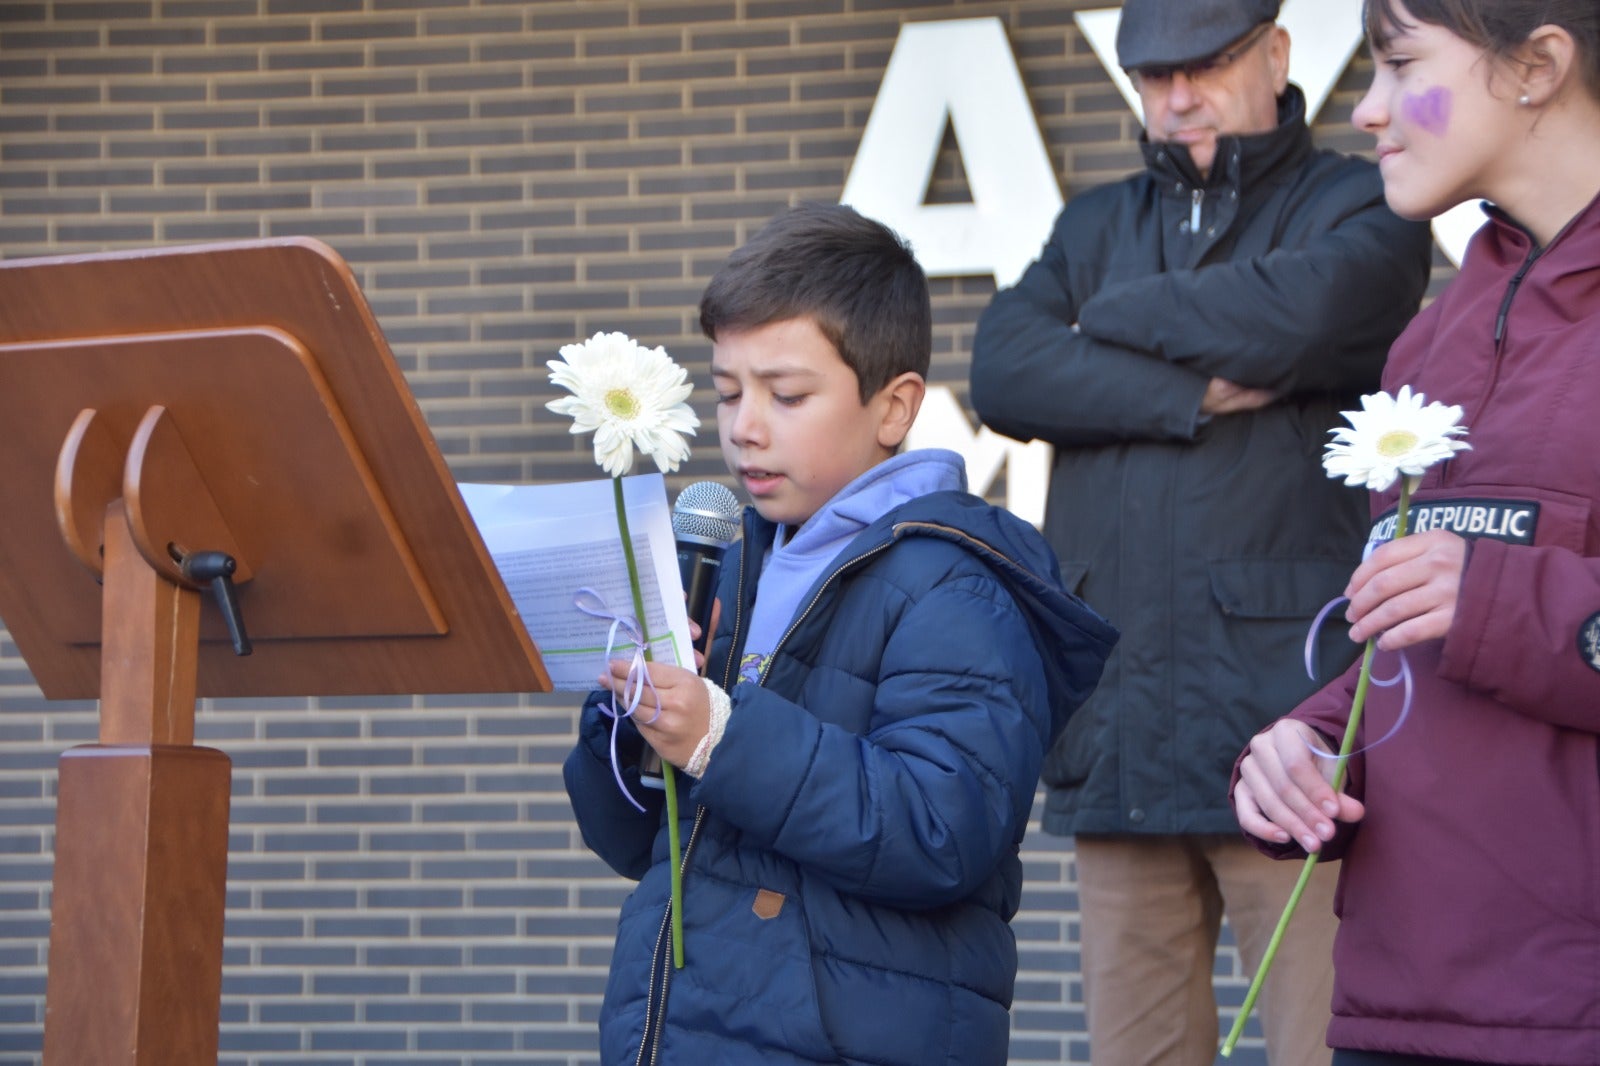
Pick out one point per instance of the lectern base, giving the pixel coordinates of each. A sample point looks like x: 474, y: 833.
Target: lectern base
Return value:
x: 135, y: 972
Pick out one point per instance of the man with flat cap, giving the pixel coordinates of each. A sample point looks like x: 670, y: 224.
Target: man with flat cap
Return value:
x: 1185, y: 341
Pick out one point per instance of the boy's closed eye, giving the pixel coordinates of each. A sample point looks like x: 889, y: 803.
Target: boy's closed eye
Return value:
x: 784, y: 399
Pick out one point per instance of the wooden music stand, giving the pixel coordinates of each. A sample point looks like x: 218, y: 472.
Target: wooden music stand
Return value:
x: 224, y: 419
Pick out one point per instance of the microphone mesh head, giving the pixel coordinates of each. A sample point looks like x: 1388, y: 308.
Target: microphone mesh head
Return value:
x: 706, y: 512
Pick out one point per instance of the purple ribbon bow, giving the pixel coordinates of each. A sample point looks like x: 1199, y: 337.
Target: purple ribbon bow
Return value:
x: 593, y: 604
x: 1401, y: 675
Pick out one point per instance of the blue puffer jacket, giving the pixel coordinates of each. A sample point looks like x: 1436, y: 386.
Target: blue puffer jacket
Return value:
x: 851, y: 854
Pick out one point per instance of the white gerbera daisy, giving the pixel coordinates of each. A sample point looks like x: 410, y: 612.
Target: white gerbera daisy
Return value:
x: 628, y: 396
x: 1391, y: 436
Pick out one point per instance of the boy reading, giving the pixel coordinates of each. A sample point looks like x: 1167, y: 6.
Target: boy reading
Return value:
x: 892, y: 660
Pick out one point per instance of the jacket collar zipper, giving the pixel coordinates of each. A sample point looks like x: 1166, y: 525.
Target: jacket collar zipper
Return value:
x: 738, y: 618
x: 1511, y: 292
x: 1534, y: 252
x: 801, y: 617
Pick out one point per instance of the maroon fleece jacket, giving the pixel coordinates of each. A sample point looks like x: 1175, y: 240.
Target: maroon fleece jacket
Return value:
x: 1470, y: 893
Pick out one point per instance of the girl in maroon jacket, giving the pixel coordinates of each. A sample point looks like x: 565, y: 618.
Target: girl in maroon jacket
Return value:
x: 1470, y: 883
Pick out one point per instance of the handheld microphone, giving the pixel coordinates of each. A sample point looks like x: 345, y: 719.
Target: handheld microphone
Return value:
x: 705, y: 520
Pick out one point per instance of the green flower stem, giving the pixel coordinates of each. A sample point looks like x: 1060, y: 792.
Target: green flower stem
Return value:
x: 1357, y: 705
x: 668, y: 776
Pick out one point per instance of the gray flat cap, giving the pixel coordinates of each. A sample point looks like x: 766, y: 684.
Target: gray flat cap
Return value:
x: 1158, y: 32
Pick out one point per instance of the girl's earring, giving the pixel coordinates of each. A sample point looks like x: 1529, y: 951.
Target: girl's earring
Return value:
x: 1524, y: 100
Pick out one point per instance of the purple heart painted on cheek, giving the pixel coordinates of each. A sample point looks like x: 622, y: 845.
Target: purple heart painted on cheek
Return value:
x: 1429, y: 112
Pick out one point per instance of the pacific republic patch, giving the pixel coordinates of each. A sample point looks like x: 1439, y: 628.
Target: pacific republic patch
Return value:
x: 1589, y: 641
x: 1513, y: 521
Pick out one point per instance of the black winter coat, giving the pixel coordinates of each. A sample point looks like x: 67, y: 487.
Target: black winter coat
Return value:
x: 1210, y: 542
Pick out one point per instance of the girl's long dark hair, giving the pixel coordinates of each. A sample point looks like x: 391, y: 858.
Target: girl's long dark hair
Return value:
x: 1497, y: 26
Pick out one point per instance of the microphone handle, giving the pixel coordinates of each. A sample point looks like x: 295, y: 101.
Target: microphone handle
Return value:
x: 650, y: 770
x: 698, y: 565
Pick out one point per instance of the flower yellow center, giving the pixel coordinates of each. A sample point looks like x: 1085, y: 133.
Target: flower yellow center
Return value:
x: 1397, y: 442
x: 622, y: 403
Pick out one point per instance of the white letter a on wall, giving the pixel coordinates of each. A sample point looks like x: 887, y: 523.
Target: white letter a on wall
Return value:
x: 963, y: 72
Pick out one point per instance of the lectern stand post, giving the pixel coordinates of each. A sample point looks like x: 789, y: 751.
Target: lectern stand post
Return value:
x: 142, y: 843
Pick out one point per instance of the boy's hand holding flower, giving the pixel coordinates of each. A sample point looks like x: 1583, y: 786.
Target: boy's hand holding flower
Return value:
x: 685, y: 715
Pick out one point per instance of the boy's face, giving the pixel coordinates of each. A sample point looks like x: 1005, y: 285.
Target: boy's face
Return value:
x: 791, y: 420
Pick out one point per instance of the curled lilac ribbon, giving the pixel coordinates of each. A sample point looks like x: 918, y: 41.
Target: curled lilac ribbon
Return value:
x: 1403, y: 675
x: 593, y: 604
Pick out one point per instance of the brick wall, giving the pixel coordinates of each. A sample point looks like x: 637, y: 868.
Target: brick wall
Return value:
x: 406, y: 885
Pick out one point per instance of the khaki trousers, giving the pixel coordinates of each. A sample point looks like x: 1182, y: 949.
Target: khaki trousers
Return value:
x: 1152, y: 909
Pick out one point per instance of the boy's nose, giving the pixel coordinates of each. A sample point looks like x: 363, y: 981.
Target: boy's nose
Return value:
x: 747, y: 426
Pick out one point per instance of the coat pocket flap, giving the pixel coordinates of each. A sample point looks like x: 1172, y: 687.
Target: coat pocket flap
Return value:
x: 1277, y: 588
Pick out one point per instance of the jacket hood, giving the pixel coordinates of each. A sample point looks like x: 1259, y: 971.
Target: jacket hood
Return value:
x: 1073, y: 640
x: 1507, y: 242
x: 894, y: 481
x: 806, y: 553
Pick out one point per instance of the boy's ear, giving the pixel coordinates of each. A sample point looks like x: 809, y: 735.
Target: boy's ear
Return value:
x: 902, y: 399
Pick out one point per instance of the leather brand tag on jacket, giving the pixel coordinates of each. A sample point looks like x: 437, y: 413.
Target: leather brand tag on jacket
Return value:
x: 768, y: 903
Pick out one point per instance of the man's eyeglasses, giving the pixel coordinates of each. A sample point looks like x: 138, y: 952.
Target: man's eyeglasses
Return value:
x: 1158, y: 75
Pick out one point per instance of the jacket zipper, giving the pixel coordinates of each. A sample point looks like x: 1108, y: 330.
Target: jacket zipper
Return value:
x: 1500, y: 336
x: 801, y: 617
x: 1511, y: 292
x: 646, y: 1040
x: 662, y: 964
x: 738, y: 620
x: 655, y: 1017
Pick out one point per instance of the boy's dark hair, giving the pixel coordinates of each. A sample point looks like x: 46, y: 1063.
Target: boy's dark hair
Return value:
x: 850, y: 275
x: 1496, y: 26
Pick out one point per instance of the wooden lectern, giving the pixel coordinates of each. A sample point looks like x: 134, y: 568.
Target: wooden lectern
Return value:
x: 222, y: 421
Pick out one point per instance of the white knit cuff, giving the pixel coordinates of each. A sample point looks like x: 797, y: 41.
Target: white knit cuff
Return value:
x: 721, y: 709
